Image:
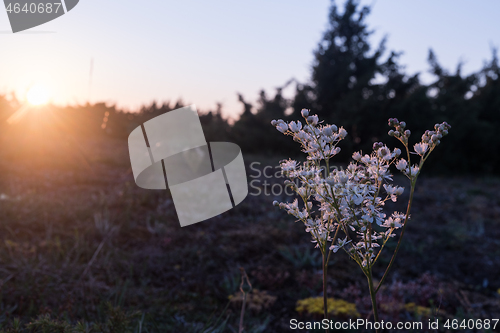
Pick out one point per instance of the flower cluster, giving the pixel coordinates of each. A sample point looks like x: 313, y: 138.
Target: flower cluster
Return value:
x: 349, y: 201
x: 430, y: 140
x: 319, y: 142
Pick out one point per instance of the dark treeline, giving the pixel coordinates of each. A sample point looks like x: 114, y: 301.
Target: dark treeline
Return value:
x: 353, y: 85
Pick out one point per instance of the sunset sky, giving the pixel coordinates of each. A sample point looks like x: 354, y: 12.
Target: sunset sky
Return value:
x: 207, y: 51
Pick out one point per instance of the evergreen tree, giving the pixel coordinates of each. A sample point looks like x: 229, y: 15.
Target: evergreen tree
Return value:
x: 343, y: 65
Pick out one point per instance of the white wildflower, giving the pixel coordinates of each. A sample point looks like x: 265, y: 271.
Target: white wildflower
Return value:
x: 350, y: 198
x: 342, y: 133
x: 340, y: 244
x: 414, y: 171
x: 294, y: 127
x: 313, y: 120
x: 421, y: 148
x: 281, y: 126
x: 402, y: 164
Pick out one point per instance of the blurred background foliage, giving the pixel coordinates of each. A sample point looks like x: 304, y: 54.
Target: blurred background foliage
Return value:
x: 353, y: 84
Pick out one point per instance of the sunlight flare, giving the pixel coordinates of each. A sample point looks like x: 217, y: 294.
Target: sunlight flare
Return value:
x: 37, y: 95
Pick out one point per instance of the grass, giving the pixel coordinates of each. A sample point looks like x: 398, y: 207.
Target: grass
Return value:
x: 82, y: 249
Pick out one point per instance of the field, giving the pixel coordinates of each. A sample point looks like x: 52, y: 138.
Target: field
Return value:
x: 80, y: 242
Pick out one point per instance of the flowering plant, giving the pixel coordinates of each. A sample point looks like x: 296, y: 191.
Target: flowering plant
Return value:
x: 349, y: 203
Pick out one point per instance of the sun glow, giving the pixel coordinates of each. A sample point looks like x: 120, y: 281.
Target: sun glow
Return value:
x: 37, y: 95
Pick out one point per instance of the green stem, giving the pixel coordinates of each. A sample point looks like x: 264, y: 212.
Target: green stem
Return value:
x: 325, y: 299
x: 372, y: 295
x: 382, y: 247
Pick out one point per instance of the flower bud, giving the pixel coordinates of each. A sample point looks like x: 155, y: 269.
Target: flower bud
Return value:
x: 273, y: 122
x: 402, y: 124
x: 327, y: 131
x: 377, y: 145
x: 304, y: 112
x: 407, y: 133
x: 393, y: 121
x: 391, y: 132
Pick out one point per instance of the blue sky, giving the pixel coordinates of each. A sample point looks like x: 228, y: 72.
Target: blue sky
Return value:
x: 207, y: 51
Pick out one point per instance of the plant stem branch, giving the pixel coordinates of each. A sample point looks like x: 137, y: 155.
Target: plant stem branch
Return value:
x: 401, y: 236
